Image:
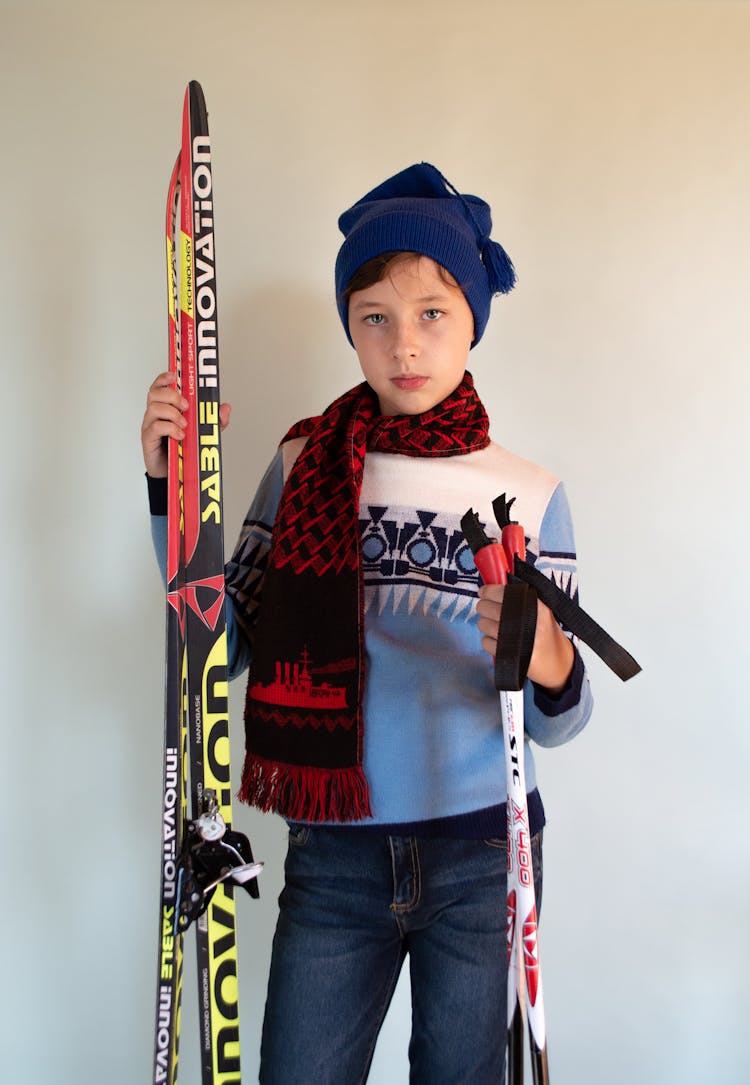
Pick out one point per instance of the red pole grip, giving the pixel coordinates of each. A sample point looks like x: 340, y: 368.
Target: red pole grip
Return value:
x: 492, y: 564
x: 514, y: 543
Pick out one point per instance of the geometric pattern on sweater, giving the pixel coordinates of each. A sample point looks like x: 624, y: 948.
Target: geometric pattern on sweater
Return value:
x: 412, y: 558
x: 244, y: 572
x: 417, y: 559
x: 562, y: 570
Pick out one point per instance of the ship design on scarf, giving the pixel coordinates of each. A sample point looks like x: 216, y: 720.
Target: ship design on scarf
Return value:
x: 293, y: 685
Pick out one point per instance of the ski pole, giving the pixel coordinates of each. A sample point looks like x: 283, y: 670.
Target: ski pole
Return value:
x: 494, y: 560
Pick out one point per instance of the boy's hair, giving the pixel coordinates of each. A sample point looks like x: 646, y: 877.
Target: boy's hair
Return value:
x: 418, y: 211
x: 380, y: 267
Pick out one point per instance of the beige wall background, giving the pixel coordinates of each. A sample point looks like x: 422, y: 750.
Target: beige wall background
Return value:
x: 612, y: 141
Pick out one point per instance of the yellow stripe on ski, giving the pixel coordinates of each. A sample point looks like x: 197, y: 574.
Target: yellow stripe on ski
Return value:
x: 221, y: 920
x: 170, y: 277
x: 186, y: 276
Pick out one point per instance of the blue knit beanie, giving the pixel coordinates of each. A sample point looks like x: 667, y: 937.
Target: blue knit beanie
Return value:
x: 418, y: 210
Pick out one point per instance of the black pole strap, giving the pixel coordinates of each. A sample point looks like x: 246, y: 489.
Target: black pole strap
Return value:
x: 519, y: 612
x: 515, y: 638
x: 575, y: 619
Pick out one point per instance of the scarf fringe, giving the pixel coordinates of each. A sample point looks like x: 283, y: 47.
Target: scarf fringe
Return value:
x: 304, y: 793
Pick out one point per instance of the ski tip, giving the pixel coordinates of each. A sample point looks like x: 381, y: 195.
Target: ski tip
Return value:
x: 195, y: 91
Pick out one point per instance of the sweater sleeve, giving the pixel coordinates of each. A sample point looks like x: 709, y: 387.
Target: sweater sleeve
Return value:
x: 245, y: 568
x: 552, y: 720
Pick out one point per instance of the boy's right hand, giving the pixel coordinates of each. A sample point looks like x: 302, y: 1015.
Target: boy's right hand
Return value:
x: 163, y: 419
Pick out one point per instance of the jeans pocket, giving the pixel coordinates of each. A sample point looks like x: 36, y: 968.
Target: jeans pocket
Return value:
x: 299, y: 835
x: 495, y: 842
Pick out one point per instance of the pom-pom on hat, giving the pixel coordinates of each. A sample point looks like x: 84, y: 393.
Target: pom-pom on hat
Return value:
x: 419, y: 211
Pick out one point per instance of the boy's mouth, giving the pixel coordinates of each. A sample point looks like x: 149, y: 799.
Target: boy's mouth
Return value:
x: 409, y: 383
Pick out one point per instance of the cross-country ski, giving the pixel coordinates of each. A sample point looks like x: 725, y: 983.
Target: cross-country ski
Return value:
x: 203, y: 858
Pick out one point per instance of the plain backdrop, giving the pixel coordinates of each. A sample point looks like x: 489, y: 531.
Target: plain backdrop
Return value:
x: 611, y: 140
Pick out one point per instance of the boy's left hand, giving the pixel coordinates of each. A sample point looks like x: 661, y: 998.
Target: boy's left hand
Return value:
x: 552, y: 656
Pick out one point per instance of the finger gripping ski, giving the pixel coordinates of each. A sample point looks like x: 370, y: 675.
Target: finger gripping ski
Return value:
x: 203, y: 858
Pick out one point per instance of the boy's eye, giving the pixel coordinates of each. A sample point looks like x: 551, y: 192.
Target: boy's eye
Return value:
x: 433, y: 314
x: 374, y: 318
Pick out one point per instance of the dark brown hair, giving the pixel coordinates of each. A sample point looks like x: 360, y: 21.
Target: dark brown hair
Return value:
x: 375, y: 270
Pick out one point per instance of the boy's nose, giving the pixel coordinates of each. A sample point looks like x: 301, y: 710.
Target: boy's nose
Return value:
x: 405, y: 343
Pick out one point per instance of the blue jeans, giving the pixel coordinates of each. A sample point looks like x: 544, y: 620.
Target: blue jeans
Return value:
x: 353, y: 906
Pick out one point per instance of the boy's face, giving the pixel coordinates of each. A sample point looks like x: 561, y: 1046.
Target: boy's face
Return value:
x: 412, y: 332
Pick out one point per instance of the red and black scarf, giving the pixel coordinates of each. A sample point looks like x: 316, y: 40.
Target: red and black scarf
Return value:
x: 304, y: 697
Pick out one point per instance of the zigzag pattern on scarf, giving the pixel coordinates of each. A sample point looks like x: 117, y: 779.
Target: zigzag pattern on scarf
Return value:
x: 463, y: 430
x: 314, y: 529
x: 299, y: 719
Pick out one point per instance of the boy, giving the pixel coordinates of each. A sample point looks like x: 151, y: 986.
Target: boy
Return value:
x: 372, y: 719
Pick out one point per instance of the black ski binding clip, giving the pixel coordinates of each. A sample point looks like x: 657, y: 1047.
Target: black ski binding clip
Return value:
x: 212, y: 854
